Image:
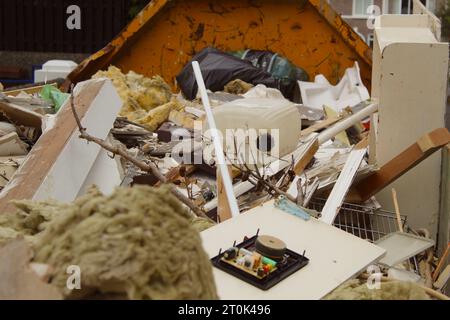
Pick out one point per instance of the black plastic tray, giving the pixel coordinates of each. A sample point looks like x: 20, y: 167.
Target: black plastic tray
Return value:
x: 294, y: 263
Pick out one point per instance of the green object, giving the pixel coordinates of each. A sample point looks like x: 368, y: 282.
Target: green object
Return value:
x: 269, y: 262
x: 53, y: 95
x: 278, y: 66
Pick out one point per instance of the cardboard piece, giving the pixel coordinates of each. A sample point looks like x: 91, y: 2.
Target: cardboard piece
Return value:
x: 18, y: 281
x: 11, y: 145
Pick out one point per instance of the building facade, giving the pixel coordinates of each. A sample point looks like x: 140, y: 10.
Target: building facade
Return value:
x: 358, y: 13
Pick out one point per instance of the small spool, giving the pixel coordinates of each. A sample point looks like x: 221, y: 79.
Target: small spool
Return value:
x: 270, y: 247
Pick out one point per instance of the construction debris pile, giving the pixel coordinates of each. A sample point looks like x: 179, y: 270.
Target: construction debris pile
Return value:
x: 304, y: 154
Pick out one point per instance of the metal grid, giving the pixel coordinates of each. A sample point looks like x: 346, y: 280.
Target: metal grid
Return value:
x: 362, y: 221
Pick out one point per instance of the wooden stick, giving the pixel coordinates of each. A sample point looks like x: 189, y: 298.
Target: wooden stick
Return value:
x: 401, y: 164
x: 347, y: 123
x: 150, y: 167
x: 223, y: 207
x: 320, y: 125
x: 441, y: 263
x: 397, y: 210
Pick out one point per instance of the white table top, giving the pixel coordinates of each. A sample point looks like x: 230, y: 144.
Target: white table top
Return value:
x: 335, y: 256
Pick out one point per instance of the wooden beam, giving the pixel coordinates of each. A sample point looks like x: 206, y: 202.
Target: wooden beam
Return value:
x: 320, y: 125
x: 307, y: 154
x: 444, y: 207
x: 223, y: 207
x: 59, y: 162
x: 21, y: 115
x: 347, y: 123
x: 404, y: 162
x: 29, y: 90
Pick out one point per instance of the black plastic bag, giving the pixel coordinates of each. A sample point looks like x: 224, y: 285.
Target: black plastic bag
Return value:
x: 219, y: 68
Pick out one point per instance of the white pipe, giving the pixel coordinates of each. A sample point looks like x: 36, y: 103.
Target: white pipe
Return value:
x: 347, y: 123
x: 226, y: 179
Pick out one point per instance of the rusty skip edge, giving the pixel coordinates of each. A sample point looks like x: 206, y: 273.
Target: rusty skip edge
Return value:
x: 103, y: 57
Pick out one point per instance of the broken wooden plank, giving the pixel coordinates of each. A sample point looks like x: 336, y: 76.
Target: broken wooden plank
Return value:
x: 342, y: 136
x: 223, y: 207
x: 8, y: 167
x: 320, y: 125
x: 20, y: 115
x: 58, y: 164
x: 404, y: 162
x: 443, y: 279
x: 29, y: 90
x: 444, y: 207
x: 397, y: 210
x: 12, y: 145
x: 334, y: 202
x: 307, y: 153
x: 347, y: 123
x: 442, y: 262
x: 18, y: 280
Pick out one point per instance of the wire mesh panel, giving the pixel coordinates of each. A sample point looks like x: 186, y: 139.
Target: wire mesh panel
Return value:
x: 362, y: 221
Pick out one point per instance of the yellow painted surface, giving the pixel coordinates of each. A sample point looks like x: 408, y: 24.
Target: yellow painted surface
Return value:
x: 165, y: 35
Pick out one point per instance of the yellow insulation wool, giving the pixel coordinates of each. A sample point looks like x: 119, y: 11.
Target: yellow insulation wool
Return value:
x: 395, y: 290
x: 137, y: 242
x: 140, y: 94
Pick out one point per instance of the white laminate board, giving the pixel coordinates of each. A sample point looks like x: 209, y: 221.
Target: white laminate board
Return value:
x: 335, y: 256
x: 402, y: 246
x: 343, y: 184
x: 68, y: 173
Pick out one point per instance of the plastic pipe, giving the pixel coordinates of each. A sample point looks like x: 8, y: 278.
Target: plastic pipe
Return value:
x: 226, y: 179
x: 347, y: 123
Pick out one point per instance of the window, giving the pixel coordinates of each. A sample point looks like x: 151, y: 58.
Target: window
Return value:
x: 406, y: 7
x: 395, y: 6
x: 430, y: 4
x: 360, y: 7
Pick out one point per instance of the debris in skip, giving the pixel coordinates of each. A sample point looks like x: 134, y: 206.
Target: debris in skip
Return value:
x: 199, y: 171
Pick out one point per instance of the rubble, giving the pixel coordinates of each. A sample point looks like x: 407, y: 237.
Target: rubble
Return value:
x: 307, y: 163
